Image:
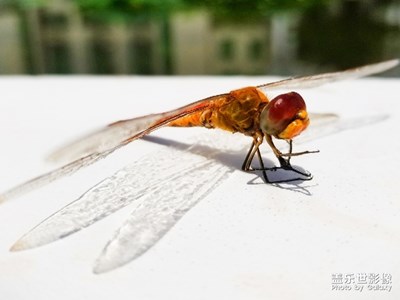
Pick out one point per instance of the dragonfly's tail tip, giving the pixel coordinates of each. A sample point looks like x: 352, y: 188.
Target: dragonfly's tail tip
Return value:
x: 53, y: 158
x: 3, y: 199
x: 9, y: 195
x: 19, y: 245
x: 392, y: 63
x: 102, y: 266
x: 99, y: 269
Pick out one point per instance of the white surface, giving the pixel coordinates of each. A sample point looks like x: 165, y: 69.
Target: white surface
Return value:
x: 243, y: 241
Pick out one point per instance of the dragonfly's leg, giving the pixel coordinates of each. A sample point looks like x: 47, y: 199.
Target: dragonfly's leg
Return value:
x: 250, y: 155
x: 290, y: 150
x: 246, y: 163
x: 255, y: 148
x: 290, y: 153
x: 283, y: 162
x: 263, y: 169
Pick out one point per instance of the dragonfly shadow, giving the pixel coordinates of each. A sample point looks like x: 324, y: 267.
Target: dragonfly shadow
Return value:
x: 233, y: 160
x: 230, y: 159
x: 293, y: 186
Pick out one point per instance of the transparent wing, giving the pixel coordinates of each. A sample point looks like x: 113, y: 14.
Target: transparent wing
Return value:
x: 167, y: 188
x: 157, y: 214
x: 317, y: 80
x: 91, y: 158
x: 103, y: 139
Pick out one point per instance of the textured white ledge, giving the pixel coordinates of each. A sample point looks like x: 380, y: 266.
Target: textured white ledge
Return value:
x: 245, y: 240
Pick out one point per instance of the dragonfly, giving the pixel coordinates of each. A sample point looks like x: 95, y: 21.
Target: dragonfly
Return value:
x: 166, y: 198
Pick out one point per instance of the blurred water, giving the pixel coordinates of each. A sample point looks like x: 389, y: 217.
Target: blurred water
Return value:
x: 226, y: 37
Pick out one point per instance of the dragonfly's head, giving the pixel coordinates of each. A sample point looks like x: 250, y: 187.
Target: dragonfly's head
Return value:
x: 285, y: 116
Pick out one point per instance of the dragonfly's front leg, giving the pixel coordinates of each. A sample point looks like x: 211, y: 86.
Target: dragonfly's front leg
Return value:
x: 285, y: 162
x: 290, y: 152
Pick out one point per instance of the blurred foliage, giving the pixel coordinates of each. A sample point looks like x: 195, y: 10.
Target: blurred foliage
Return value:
x: 243, y: 10
x: 127, y: 9
x: 222, y: 9
x: 223, y: 5
x: 23, y: 3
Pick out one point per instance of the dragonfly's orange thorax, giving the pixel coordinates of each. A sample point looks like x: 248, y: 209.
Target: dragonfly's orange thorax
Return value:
x: 238, y: 111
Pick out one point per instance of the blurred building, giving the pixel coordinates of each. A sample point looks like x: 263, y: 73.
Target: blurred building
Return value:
x: 58, y: 39
x: 201, y: 46
x: 12, y: 60
x: 63, y: 42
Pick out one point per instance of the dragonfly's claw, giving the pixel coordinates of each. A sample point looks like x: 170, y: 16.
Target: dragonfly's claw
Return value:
x: 284, y: 162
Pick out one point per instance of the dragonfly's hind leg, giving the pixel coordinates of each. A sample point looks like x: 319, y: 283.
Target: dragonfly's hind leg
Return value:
x: 257, y: 141
x: 254, y: 148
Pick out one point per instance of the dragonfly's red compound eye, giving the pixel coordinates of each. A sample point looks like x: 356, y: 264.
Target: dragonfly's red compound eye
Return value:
x: 285, y: 116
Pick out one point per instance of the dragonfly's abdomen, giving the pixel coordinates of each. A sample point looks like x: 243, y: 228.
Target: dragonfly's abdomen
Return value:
x: 237, y: 111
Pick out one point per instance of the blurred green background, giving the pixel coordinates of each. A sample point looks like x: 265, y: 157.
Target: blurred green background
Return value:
x: 182, y: 37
